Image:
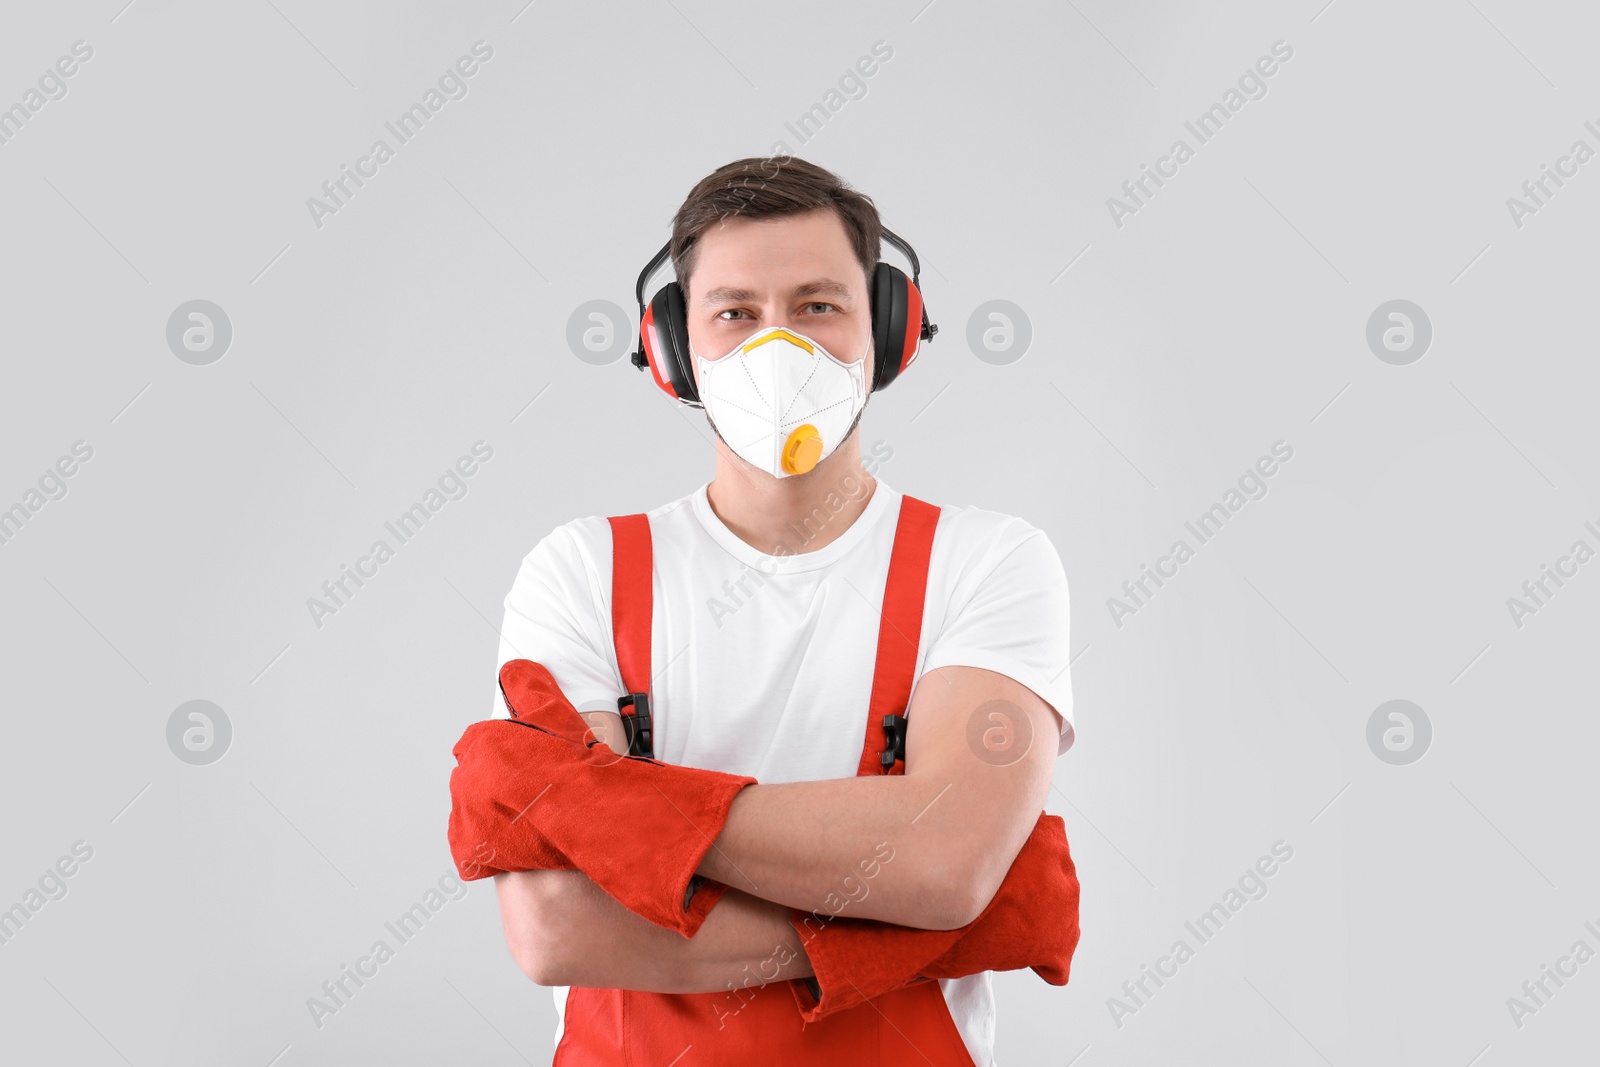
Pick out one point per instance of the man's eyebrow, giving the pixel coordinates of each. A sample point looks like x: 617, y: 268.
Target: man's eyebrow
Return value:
x: 823, y: 287
x: 728, y: 294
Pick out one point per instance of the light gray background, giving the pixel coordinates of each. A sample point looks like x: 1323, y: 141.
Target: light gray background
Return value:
x: 369, y: 354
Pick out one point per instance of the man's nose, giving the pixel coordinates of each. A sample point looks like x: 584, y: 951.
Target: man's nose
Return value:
x: 778, y: 316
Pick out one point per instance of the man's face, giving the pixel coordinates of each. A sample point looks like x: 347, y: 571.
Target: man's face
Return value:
x: 797, y: 272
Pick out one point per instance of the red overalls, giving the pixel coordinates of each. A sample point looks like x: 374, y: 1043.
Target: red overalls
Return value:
x: 761, y: 1024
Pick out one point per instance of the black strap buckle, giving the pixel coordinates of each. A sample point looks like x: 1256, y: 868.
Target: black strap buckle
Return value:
x: 894, y: 729
x: 637, y: 725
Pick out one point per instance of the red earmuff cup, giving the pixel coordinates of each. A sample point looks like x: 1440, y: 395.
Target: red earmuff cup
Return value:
x: 652, y: 351
x: 912, y: 344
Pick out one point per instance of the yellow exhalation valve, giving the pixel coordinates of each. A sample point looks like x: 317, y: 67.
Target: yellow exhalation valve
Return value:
x: 802, y: 450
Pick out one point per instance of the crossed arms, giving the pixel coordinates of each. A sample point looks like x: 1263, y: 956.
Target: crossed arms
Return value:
x: 926, y: 850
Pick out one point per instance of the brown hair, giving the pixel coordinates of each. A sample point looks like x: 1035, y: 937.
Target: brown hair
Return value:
x: 772, y: 187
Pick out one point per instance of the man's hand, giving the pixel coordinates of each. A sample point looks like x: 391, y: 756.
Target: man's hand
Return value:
x: 607, y: 726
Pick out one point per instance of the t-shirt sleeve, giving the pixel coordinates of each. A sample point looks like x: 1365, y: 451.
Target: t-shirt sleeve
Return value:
x: 554, y: 616
x: 1016, y: 620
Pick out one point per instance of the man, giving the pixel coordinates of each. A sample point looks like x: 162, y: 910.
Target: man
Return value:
x: 767, y: 627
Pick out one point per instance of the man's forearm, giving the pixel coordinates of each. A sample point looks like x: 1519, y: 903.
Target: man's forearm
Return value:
x: 1031, y: 922
x: 565, y: 930
x: 980, y: 751
x: 868, y: 847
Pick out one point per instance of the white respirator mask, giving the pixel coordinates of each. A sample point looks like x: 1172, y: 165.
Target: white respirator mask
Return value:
x: 781, y: 401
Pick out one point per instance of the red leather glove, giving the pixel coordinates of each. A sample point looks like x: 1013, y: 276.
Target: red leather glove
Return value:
x: 1031, y: 922
x: 539, y: 792
x: 473, y: 801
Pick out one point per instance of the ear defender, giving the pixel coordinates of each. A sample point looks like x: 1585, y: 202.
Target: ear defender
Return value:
x: 664, y: 343
x: 899, y: 326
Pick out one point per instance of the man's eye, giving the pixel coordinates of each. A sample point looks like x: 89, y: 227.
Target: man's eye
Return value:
x: 730, y: 311
x: 818, y: 304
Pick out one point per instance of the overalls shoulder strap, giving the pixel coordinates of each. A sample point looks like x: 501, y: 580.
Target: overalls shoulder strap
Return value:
x: 632, y: 601
x: 899, y: 634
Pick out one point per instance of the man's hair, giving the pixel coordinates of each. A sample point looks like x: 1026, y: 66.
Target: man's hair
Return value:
x: 764, y: 187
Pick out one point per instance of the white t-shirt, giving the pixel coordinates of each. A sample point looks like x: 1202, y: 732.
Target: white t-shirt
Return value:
x: 763, y: 662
